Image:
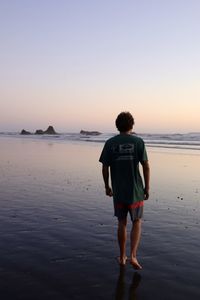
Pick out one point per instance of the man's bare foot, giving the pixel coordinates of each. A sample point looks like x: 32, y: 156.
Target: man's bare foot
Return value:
x: 134, y: 262
x: 122, y: 261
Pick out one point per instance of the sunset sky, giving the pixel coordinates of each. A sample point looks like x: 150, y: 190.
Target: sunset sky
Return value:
x: 75, y: 64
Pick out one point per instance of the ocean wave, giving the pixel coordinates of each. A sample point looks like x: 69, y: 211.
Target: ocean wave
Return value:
x: 183, y: 141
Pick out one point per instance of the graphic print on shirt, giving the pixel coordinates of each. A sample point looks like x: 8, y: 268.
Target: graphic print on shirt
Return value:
x: 123, y: 151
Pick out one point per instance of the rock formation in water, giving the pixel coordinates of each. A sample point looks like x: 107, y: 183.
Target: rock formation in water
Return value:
x: 50, y: 130
x: 25, y: 132
x: 39, y: 131
x: 85, y: 132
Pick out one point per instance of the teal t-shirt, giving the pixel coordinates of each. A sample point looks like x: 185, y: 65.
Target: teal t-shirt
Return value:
x: 123, y: 153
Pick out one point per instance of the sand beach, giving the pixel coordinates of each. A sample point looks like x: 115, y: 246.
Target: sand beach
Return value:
x: 57, y: 227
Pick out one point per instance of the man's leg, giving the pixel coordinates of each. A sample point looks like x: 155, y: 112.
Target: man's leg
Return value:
x: 122, y: 234
x: 135, y: 240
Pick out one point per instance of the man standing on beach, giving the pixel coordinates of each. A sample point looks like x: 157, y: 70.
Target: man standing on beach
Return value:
x: 121, y: 156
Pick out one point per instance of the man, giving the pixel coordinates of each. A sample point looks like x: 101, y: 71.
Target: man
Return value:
x: 121, y: 156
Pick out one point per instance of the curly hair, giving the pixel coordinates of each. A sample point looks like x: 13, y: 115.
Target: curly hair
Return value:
x: 124, y: 121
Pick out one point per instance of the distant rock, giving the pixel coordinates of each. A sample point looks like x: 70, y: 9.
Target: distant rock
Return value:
x: 50, y: 130
x: 85, y: 132
x: 25, y: 132
x: 39, y: 131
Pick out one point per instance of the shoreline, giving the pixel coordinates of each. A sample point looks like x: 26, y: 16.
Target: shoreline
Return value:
x: 56, y: 138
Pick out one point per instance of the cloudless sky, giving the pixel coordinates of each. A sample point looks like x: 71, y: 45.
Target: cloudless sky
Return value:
x: 76, y: 64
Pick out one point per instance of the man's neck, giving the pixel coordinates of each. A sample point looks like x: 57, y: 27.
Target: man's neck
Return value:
x: 126, y: 132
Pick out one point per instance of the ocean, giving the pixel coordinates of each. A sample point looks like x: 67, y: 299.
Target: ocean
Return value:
x: 189, y: 141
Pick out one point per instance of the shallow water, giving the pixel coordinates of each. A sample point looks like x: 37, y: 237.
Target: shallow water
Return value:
x: 58, y: 231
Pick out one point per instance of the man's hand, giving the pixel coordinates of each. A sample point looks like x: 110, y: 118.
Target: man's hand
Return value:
x: 146, y: 194
x: 109, y: 191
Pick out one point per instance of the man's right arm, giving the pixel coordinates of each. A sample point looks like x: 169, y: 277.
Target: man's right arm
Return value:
x: 146, y: 173
x: 105, y: 173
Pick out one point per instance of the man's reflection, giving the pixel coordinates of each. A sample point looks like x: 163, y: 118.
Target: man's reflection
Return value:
x: 134, y: 285
x: 121, y: 285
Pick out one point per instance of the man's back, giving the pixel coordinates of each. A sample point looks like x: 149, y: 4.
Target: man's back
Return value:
x: 123, y: 154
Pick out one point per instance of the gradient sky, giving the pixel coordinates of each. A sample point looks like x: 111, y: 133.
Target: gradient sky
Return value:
x: 76, y: 64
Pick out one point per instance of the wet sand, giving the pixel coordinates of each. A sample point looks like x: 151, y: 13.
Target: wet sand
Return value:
x: 58, y: 231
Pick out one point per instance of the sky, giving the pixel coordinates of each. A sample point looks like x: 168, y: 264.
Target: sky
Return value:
x: 76, y: 64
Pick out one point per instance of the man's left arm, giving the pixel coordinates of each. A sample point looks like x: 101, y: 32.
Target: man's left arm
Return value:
x: 146, y: 173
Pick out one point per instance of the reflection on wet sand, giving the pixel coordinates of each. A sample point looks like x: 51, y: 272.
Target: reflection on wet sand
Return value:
x: 120, y: 291
x: 50, y: 195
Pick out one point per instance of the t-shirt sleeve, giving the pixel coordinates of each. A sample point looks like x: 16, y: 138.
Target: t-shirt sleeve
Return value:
x: 142, y: 152
x: 105, y: 157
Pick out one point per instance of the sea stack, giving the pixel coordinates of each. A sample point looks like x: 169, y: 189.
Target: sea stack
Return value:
x: 50, y: 130
x: 85, y: 132
x: 39, y: 131
x: 25, y: 132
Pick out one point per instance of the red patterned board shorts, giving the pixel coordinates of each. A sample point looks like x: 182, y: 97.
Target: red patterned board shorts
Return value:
x: 135, y: 210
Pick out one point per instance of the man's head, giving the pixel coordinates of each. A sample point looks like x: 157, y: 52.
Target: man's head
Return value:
x: 124, y: 121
